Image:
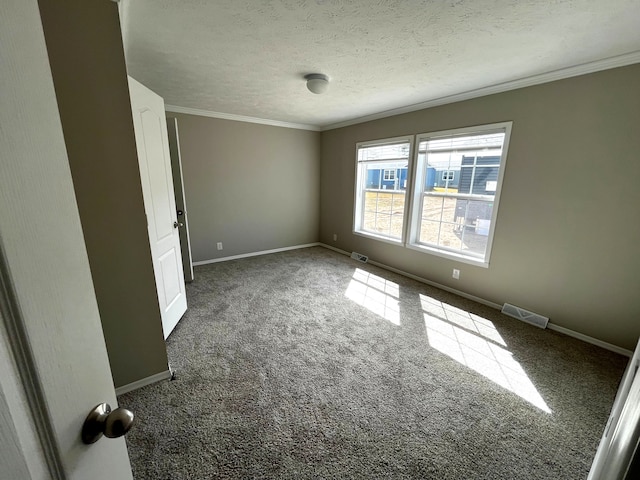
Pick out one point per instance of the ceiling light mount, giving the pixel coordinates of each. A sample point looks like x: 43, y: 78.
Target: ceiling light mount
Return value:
x: 317, y: 83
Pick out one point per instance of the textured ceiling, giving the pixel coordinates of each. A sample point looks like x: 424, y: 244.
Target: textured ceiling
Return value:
x: 248, y: 57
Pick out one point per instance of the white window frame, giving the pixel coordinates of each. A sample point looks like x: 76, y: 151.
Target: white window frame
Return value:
x: 416, y: 197
x: 358, y: 212
x: 448, y: 175
x: 391, y: 175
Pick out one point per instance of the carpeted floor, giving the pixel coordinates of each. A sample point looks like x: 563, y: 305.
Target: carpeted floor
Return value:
x: 309, y: 365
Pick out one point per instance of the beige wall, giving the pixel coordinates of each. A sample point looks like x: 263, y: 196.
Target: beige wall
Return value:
x: 252, y: 187
x: 87, y: 61
x: 568, y: 229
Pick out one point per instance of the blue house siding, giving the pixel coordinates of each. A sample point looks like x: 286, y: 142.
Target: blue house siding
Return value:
x: 375, y: 179
x: 483, y: 175
x: 440, y: 179
x: 486, y: 174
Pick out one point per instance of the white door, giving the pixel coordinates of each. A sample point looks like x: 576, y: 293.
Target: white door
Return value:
x: 150, y: 126
x: 54, y: 367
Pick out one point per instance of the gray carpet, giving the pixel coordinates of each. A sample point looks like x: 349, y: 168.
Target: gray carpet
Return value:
x: 287, y: 368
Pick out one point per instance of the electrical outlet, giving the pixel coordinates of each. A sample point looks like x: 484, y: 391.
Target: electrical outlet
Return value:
x: 456, y: 273
x: 219, y: 245
x: 335, y: 237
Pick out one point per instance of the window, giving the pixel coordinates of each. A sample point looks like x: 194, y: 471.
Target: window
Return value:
x: 457, y: 219
x: 381, y: 176
x: 448, y: 206
x: 389, y: 174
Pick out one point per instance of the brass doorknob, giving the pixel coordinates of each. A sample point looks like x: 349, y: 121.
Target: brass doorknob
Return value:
x: 177, y: 224
x: 104, y: 421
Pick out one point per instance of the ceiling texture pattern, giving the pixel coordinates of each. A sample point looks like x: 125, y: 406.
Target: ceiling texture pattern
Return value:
x: 249, y: 57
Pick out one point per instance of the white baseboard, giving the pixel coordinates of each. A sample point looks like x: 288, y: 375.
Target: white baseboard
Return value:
x: 550, y: 325
x: 422, y: 280
x: 460, y: 293
x: 343, y: 252
x: 255, y: 254
x: 144, y: 382
x: 588, y: 339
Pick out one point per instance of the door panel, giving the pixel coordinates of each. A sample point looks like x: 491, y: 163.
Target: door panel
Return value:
x: 160, y: 193
x: 49, y: 305
x: 169, y: 263
x: 157, y: 188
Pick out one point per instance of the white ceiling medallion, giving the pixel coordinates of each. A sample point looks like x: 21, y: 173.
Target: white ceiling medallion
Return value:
x: 317, y: 82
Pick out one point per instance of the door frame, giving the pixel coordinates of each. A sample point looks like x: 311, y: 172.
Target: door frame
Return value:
x: 25, y: 371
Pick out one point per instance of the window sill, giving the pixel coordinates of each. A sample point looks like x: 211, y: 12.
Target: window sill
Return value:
x: 449, y: 255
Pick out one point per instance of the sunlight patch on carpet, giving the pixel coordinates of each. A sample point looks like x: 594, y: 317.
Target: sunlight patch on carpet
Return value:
x: 376, y: 294
x: 474, y: 342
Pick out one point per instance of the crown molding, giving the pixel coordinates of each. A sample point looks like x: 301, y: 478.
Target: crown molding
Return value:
x: 240, y: 118
x: 583, y: 69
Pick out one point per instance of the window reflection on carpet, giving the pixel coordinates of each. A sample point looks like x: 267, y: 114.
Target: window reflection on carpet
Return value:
x: 474, y: 342
x: 376, y: 294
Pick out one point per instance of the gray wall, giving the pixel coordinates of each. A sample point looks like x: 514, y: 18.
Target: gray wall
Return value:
x: 252, y: 187
x: 568, y: 229
x: 87, y: 61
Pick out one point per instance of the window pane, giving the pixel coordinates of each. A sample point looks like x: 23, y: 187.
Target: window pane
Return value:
x: 386, y: 175
x: 461, y: 174
x: 459, y: 210
x: 382, y: 179
x: 429, y: 232
x: 466, y: 141
x: 432, y: 208
x: 447, y: 235
x: 450, y: 236
x: 479, y: 210
x: 384, y: 152
x: 474, y: 240
x: 396, y: 226
x: 384, y: 213
x: 477, y: 222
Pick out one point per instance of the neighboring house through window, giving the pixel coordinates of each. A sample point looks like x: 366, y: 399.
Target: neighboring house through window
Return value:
x: 456, y: 220
x: 379, y: 213
x: 389, y: 174
x: 447, y: 175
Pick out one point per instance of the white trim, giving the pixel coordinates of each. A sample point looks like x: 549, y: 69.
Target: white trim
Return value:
x: 26, y: 367
x: 577, y: 70
x: 422, y: 280
x: 129, y: 387
x: 449, y: 255
x: 437, y: 285
x: 391, y: 172
x: 255, y: 254
x: 413, y: 240
x: 584, y: 69
x: 335, y: 249
x: 240, y: 118
x: 550, y: 326
x: 360, y: 185
x: 588, y: 339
